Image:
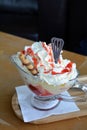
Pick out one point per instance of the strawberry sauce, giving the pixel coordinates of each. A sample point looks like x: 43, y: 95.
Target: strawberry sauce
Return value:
x: 38, y: 90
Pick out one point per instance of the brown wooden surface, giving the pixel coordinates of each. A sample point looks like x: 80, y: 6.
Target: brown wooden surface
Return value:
x: 9, y: 78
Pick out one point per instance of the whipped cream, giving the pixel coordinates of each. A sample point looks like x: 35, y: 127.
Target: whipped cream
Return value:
x: 41, y: 56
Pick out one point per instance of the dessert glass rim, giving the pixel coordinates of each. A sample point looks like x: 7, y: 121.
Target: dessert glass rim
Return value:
x: 15, y: 57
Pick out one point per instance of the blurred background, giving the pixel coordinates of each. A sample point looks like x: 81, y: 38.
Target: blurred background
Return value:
x: 40, y: 20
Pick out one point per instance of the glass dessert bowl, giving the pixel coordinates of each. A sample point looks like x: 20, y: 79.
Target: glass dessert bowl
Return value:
x: 44, y: 96
x: 45, y: 72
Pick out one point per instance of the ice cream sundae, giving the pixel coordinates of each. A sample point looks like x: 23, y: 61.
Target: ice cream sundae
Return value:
x: 41, y: 73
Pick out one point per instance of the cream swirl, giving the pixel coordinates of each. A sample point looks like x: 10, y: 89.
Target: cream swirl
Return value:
x: 41, y: 55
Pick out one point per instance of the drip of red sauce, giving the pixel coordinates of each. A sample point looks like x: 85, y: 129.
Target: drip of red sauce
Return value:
x: 30, y: 52
x: 69, y: 65
x: 35, y: 60
x: 68, y: 68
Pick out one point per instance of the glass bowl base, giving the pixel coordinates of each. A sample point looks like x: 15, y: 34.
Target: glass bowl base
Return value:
x: 43, y: 104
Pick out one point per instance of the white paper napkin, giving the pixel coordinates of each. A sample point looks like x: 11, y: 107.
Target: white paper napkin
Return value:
x: 29, y: 113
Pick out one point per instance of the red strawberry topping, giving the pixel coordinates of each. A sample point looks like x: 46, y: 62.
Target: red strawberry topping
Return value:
x: 30, y: 52
x: 66, y: 69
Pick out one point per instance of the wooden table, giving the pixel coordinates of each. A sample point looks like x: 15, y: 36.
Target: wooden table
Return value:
x: 9, y: 78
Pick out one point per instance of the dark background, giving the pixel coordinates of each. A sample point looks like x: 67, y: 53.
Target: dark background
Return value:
x: 44, y: 19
